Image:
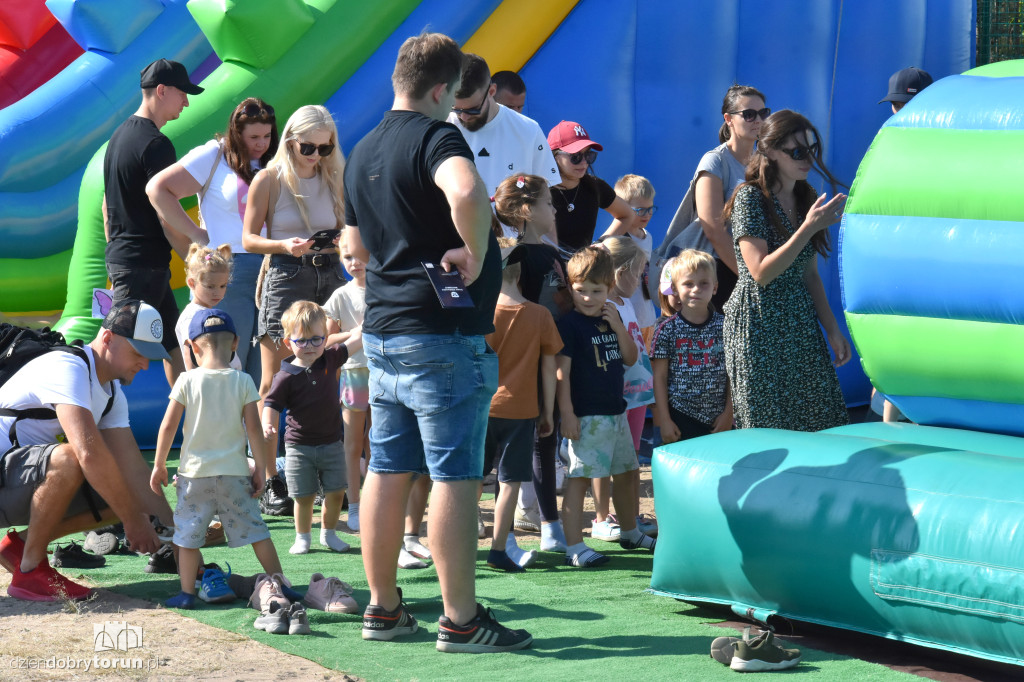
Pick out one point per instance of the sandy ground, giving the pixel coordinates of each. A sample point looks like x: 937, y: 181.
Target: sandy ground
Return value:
x: 46, y: 635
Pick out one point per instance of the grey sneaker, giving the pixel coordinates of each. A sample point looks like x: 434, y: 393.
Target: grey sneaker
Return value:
x: 298, y: 622
x: 722, y: 649
x: 762, y: 654
x: 274, y: 619
x: 101, y: 543
x: 383, y: 625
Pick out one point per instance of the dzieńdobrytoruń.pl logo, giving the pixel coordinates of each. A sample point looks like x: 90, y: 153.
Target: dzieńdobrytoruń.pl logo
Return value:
x: 108, y: 640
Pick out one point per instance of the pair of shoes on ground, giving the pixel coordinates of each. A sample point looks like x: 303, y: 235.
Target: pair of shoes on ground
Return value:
x: 330, y: 594
x: 283, y: 619
x: 760, y: 654
x: 72, y: 555
x: 211, y: 586
x: 42, y: 583
x: 483, y: 634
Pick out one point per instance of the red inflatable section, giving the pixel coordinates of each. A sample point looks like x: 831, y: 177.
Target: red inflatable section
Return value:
x: 34, y: 48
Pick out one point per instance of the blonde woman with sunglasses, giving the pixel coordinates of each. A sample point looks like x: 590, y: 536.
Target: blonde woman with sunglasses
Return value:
x: 299, y: 195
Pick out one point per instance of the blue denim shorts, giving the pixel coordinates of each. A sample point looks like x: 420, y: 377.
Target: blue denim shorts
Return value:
x: 429, y: 396
x: 306, y: 467
x: 290, y: 279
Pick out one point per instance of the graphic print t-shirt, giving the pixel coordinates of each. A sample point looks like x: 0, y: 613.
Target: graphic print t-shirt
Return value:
x: 597, y: 374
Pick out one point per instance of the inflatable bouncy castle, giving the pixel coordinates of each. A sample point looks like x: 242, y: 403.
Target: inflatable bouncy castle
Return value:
x: 907, y: 531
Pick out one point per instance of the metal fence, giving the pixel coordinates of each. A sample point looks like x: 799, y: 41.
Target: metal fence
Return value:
x: 1000, y: 30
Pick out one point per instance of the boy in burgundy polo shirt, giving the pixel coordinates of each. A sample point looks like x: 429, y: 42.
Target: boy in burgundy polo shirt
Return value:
x: 307, y: 386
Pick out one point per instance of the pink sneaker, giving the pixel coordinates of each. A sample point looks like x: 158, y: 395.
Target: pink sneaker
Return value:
x: 43, y: 583
x: 268, y: 589
x: 330, y: 594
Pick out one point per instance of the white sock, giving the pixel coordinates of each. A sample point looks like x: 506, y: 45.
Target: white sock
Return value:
x: 302, y: 542
x: 415, y: 547
x: 522, y: 557
x: 576, y: 549
x: 329, y: 538
x: 633, y: 535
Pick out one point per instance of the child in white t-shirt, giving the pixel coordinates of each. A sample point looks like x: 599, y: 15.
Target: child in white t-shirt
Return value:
x: 345, y: 309
x: 208, y: 272
x: 214, y: 477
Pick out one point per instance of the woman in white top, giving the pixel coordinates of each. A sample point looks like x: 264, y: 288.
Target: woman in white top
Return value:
x: 220, y: 172
x: 743, y: 110
x: 306, y: 177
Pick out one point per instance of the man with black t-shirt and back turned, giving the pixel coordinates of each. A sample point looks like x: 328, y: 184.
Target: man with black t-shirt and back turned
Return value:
x: 413, y: 199
x: 138, y: 253
x: 68, y: 459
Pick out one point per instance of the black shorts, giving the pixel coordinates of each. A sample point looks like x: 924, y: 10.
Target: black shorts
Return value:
x: 509, y: 446
x: 22, y: 471
x: 688, y: 426
x: 151, y: 285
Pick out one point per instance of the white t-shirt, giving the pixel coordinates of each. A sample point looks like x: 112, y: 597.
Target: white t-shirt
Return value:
x: 223, y: 206
x: 214, y: 440
x: 509, y: 143
x: 346, y: 306
x: 639, y: 378
x: 643, y: 307
x: 58, y: 378
x: 181, y: 332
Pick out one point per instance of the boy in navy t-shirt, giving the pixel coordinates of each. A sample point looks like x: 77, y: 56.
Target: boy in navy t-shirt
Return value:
x: 590, y: 377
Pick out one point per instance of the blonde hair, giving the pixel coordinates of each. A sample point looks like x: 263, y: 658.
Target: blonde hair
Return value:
x: 302, y: 315
x: 692, y: 260
x: 591, y: 264
x: 331, y: 169
x: 623, y: 250
x: 515, y: 195
x: 510, y: 271
x: 202, y: 260
x: 631, y: 187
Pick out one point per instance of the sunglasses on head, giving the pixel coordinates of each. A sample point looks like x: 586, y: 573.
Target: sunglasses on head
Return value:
x: 800, y: 152
x: 474, y: 111
x: 307, y: 149
x: 641, y: 212
x: 750, y: 114
x: 314, y: 341
x: 253, y: 110
x: 590, y: 156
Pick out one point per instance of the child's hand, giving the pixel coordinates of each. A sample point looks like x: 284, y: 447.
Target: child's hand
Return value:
x: 723, y: 422
x: 611, y: 315
x: 570, y: 426
x: 269, y: 430
x: 545, y: 425
x: 669, y: 431
x: 158, y: 478
x: 258, y: 482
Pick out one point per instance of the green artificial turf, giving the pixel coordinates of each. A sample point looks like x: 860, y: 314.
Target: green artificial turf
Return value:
x: 587, y: 624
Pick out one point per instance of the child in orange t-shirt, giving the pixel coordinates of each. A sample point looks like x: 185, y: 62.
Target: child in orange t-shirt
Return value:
x: 525, y: 338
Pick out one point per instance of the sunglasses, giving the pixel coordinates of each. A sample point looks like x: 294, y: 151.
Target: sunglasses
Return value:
x: 307, y: 149
x: 641, y: 212
x: 800, y: 152
x: 475, y: 111
x: 590, y: 156
x: 252, y: 110
x: 314, y: 341
x: 750, y: 114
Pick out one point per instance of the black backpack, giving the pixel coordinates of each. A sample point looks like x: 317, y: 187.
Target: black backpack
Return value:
x: 19, y: 345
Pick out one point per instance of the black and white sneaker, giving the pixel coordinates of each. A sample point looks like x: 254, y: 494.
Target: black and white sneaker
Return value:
x: 482, y: 635
x: 275, y: 501
x: 71, y: 555
x: 162, y: 561
x: 383, y: 625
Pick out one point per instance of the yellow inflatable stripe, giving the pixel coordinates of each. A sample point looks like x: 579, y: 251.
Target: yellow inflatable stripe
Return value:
x: 516, y: 30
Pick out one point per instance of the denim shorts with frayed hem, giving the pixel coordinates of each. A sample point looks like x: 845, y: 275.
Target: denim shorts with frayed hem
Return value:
x: 289, y: 280
x: 429, y: 396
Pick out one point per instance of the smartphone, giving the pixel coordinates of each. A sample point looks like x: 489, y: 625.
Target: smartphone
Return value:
x: 324, y: 239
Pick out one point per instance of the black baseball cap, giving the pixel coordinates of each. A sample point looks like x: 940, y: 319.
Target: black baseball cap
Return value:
x: 904, y: 84
x: 166, y: 72
x: 141, y: 324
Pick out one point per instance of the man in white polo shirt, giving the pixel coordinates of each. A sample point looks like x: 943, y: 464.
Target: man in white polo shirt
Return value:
x: 503, y: 141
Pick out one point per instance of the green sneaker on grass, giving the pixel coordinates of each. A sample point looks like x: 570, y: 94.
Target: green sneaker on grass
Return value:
x: 762, y: 654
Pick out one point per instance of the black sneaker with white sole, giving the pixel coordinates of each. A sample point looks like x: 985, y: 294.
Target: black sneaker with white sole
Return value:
x: 275, y: 501
x: 482, y: 635
x: 162, y: 561
x: 71, y: 555
x: 383, y: 625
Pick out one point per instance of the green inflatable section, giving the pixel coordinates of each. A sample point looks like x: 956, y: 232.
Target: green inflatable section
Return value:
x: 1013, y: 67
x: 904, y: 532
x: 908, y: 164
x: 39, y: 280
x: 937, y: 357
x: 337, y: 38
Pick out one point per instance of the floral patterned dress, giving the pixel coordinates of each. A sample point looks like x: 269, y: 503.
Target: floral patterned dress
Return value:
x: 779, y: 366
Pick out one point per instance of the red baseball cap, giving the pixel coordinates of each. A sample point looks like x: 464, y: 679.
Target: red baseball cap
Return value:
x: 570, y: 137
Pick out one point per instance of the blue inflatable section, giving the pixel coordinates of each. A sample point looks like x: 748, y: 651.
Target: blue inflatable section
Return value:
x: 909, y: 265
x: 358, y: 105
x: 981, y: 104
x: 647, y: 79
x: 49, y: 135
